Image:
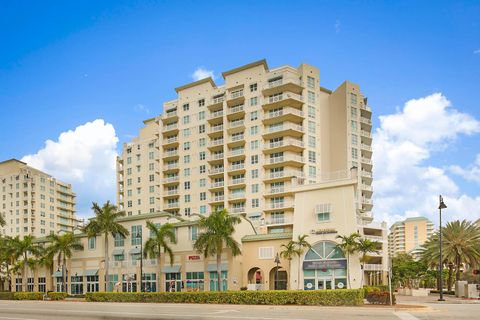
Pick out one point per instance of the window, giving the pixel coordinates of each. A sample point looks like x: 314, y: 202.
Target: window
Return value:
x: 202, y: 182
x: 253, y: 130
x: 253, y: 115
x: 201, y: 142
x: 195, y: 281
x: 253, y: 87
x: 186, y: 172
x: 151, y: 189
x: 311, y: 112
x: 186, y: 159
x: 186, y: 107
x: 214, y: 281
x: 312, y: 141
x: 187, y: 198
x: 310, y: 82
x: 311, y: 127
x: 42, y: 284
x: 186, y: 133
x: 255, y: 173
x: 353, y: 112
x: 186, y: 146
x: 92, y: 242
x: 186, y: 185
x: 254, y: 188
x: 201, y: 128
x: 202, y: 155
x: 136, y: 235
x: 354, y: 139
x: 193, y: 233
x: 151, y: 155
x: 254, y: 145
x: 151, y: 177
x: 354, y: 153
x: 76, y: 285
x: 254, y: 159
x: 201, y: 102
x: 93, y: 284
x: 253, y: 101
x: 312, y: 157
x: 311, y: 97
x: 119, y: 240
x: 203, y: 196
x: 312, y: 172
x: 255, y: 203
x: 265, y: 253
x: 322, y: 212
x: 203, y: 168
x: 203, y: 209
x: 353, y: 98
x: 354, y: 125
x: 152, y: 200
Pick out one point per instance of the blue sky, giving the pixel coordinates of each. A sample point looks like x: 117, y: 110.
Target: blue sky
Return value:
x: 65, y: 64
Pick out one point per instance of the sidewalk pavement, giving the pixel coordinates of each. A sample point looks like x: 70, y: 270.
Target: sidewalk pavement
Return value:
x: 433, y: 299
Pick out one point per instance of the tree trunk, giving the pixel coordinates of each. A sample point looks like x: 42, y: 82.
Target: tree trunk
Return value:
x: 450, y: 277
x: 348, y: 271
x: 298, y: 275
x: 458, y: 274
x: 24, y: 281
x: 219, y: 271
x: 159, y: 279
x: 64, y: 274
x: 107, y: 280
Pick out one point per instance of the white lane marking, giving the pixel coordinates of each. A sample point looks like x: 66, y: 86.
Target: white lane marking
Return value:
x: 224, y: 311
x: 147, y: 314
x: 405, y: 315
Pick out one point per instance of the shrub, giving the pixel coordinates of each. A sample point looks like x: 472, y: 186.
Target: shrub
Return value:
x: 380, y: 297
x: 28, y: 296
x: 6, y: 295
x: 57, y: 295
x: 277, y: 297
x: 368, y: 289
x: 243, y: 288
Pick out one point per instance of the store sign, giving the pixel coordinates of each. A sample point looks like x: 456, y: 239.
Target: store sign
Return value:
x: 324, y: 264
x: 324, y: 231
x: 193, y: 258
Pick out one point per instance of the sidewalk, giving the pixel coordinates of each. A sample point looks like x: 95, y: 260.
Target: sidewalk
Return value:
x: 433, y: 299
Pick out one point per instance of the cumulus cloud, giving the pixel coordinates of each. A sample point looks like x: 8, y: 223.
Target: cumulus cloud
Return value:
x: 202, y: 73
x: 405, y: 185
x: 476, y: 51
x: 471, y: 173
x: 84, y: 157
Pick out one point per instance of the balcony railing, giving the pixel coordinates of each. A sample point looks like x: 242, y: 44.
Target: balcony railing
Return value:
x: 218, y: 198
x: 217, y: 142
x: 365, y: 120
x: 235, y: 124
x: 279, y: 82
x: 366, y: 147
x: 278, y: 113
x: 218, y: 100
x: 276, y: 190
x: 172, y: 192
x: 284, y: 127
x: 366, y: 174
x: 285, y: 142
x: 239, y: 166
x: 171, y: 140
x: 286, y: 173
x: 366, y: 160
x: 237, y: 196
x: 216, y: 128
x: 366, y: 134
x: 279, y: 205
x: 171, y: 114
x: 171, y: 166
x: 284, y: 96
x: 283, y: 159
x: 217, y: 184
x: 235, y: 109
x: 237, y: 210
x: 374, y: 238
x: 237, y: 137
x: 216, y: 114
x: 171, y: 179
x: 237, y: 152
x: 372, y: 267
x: 367, y: 187
x: 172, y: 205
x: 216, y: 170
x: 278, y: 220
x: 171, y: 126
x: 236, y: 94
x: 216, y: 156
x: 171, y: 153
x: 237, y: 181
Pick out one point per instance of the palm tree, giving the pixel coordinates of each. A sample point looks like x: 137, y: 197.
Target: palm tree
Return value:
x: 105, y: 223
x: 217, y: 230
x: 302, y: 244
x: 63, y: 246
x: 366, y: 246
x: 23, y: 248
x: 159, y: 240
x: 289, y: 251
x: 461, y: 246
x: 349, y: 246
x: 3, y: 222
x: 46, y: 259
x: 7, y: 256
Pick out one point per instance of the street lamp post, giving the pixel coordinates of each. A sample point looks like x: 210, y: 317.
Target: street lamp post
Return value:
x: 277, y: 261
x: 139, y: 235
x: 440, y: 207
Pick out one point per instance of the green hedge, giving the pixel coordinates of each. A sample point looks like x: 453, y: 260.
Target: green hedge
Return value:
x: 380, y: 297
x: 368, y: 289
x: 277, y: 297
x: 6, y: 295
x: 38, y: 295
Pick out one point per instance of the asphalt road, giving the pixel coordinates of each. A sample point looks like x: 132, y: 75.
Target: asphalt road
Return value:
x: 39, y: 310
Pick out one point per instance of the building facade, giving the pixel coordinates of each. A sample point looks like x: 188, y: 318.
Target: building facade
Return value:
x: 244, y: 146
x: 33, y: 202
x: 408, y: 236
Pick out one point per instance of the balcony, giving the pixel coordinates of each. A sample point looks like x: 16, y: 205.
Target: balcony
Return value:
x: 237, y: 210
x: 170, y: 116
x: 285, y: 160
x: 235, y: 97
x: 284, y: 99
x: 367, y: 187
x: 236, y: 111
x: 286, y: 83
x: 278, y: 221
x: 237, y: 196
x: 170, y: 128
x: 373, y: 267
x: 220, y: 198
x: 366, y: 162
x: 216, y: 144
x: 216, y: 158
x: 236, y: 126
x: 170, y: 142
x: 366, y: 121
x: 216, y: 131
x: 278, y: 191
x: 374, y: 238
x: 171, y: 193
x: 216, y: 171
x: 236, y: 154
x: 293, y: 145
x: 282, y: 205
x: 283, y: 175
x: 216, y: 115
x: 171, y: 167
x: 286, y: 114
x: 217, y: 185
x: 172, y: 205
x: 366, y: 134
x: 216, y: 102
x: 236, y: 182
x: 169, y: 155
x: 236, y: 168
x: 286, y: 129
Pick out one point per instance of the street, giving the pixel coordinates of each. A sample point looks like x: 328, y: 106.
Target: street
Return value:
x: 39, y: 310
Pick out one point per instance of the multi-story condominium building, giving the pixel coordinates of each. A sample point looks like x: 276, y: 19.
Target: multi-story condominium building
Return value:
x: 244, y: 146
x: 33, y: 202
x: 321, y: 210
x: 409, y: 235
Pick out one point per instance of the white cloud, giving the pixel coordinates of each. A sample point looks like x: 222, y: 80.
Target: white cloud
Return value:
x: 202, y: 73
x: 476, y: 51
x: 471, y: 173
x: 142, y: 108
x: 405, y: 185
x: 84, y: 157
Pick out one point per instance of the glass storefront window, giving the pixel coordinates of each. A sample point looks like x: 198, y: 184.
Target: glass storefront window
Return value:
x: 173, y: 282
x: 214, y: 281
x: 195, y: 281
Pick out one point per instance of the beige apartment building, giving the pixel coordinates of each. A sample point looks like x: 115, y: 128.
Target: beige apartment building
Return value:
x: 322, y: 210
x: 409, y: 235
x: 33, y: 202
x: 244, y: 145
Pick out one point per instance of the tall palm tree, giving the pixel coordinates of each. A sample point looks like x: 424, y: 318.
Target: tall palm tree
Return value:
x: 460, y: 246
x: 160, y: 239
x: 349, y: 246
x: 23, y: 249
x: 216, y: 234
x: 105, y: 223
x: 7, y: 257
x: 3, y: 222
x: 366, y: 246
x: 289, y: 251
x: 63, y: 246
x: 302, y: 244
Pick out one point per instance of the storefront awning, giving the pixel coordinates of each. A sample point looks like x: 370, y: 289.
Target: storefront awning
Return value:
x: 135, y: 251
x: 213, y: 267
x: 91, y: 272
x: 171, y: 269
x: 117, y: 252
x: 57, y: 274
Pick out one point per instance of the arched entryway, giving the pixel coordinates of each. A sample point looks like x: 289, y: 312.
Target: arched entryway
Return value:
x: 255, y: 276
x: 278, y: 280
x: 324, y: 267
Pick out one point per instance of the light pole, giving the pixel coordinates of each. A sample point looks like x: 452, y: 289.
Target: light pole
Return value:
x: 139, y: 235
x: 440, y: 207
x: 277, y: 261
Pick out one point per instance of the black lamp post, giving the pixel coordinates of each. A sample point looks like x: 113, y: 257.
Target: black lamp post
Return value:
x: 440, y: 207
x: 139, y: 235
x: 277, y: 261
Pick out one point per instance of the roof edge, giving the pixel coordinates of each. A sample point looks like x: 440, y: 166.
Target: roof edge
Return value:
x: 262, y: 62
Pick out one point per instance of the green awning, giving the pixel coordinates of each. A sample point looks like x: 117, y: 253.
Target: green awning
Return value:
x: 135, y: 251
x: 171, y: 269
x: 91, y: 272
x: 57, y: 274
x: 117, y: 252
x: 213, y: 267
